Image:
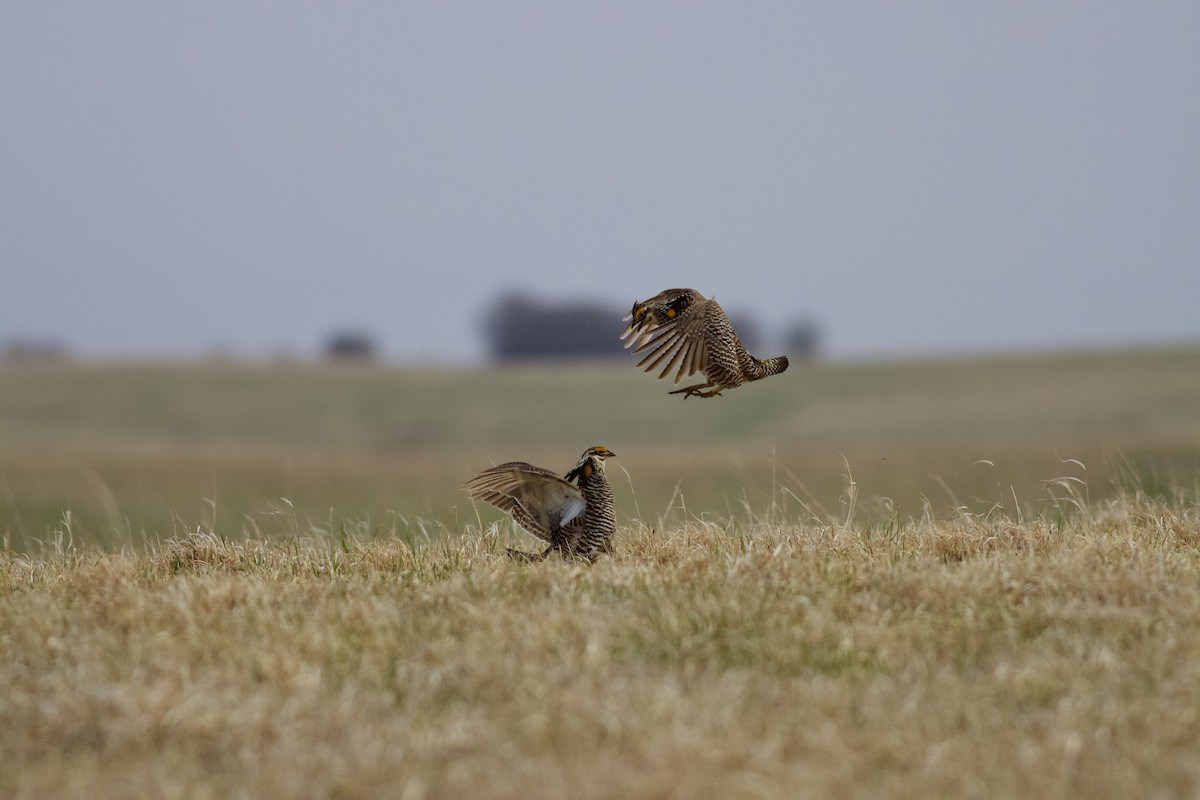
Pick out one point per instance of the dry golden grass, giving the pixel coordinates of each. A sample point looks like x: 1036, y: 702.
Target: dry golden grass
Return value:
x: 241, y: 580
x: 1054, y: 656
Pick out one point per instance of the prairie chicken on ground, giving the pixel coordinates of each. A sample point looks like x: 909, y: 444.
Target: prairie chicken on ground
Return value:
x: 576, y: 520
x: 683, y: 332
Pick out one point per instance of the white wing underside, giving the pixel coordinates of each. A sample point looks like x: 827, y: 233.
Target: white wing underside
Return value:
x: 631, y: 337
x: 540, y: 501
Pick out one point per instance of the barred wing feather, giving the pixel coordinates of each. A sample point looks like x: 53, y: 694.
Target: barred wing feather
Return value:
x: 677, y: 346
x: 537, y: 499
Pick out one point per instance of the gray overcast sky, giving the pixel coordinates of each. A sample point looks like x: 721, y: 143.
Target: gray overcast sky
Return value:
x: 919, y: 177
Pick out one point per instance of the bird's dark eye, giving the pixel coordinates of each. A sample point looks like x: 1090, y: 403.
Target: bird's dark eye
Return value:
x: 641, y: 312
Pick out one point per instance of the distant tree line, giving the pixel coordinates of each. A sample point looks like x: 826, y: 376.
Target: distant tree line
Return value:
x: 350, y: 345
x: 519, y: 327
x: 33, y: 350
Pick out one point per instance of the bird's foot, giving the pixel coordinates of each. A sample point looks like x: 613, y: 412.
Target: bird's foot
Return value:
x: 698, y: 391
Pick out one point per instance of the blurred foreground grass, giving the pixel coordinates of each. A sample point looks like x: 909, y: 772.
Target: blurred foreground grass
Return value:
x: 115, y: 454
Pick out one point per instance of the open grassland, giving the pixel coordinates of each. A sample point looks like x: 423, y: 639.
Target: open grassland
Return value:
x: 960, y: 657
x: 117, y: 454
x: 942, y: 579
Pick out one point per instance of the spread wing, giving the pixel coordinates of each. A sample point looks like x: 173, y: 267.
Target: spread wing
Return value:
x: 678, y: 345
x: 635, y: 333
x: 540, y: 501
x: 638, y: 332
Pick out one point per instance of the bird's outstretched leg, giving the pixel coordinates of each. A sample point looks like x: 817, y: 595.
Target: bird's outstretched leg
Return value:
x: 697, y: 390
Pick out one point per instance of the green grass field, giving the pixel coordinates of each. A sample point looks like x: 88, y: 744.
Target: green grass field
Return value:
x: 939, y: 579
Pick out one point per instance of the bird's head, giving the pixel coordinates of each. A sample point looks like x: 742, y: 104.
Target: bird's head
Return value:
x: 637, y: 315
x: 662, y: 308
x: 590, y: 462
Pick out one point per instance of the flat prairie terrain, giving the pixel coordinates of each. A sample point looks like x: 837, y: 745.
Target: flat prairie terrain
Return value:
x: 116, y: 454
x: 939, y: 579
x: 967, y: 657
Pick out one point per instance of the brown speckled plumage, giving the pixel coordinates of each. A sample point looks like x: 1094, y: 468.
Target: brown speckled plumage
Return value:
x: 577, y: 520
x: 682, y: 332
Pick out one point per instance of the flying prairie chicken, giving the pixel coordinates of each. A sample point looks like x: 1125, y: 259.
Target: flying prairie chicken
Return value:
x: 577, y: 520
x: 681, y: 331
